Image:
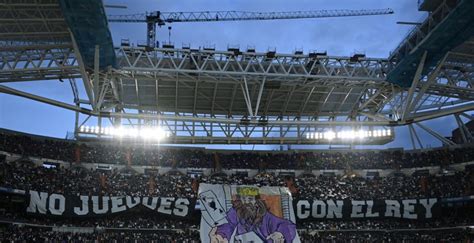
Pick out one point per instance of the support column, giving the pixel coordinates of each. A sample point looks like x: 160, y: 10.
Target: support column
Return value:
x: 443, y: 140
x: 415, y: 135
x: 260, y: 92
x: 245, y: 90
x: 431, y: 79
x: 411, y: 138
x: 414, y: 84
x: 470, y: 117
x: 96, y: 76
x: 465, y: 133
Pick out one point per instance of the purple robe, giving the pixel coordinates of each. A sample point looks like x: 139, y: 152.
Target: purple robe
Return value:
x: 270, y: 224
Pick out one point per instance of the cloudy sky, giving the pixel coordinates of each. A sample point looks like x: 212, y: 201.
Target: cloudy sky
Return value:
x: 375, y: 36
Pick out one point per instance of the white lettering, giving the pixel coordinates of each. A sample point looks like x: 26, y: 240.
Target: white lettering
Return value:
x: 95, y: 205
x: 319, y: 209
x: 165, y: 205
x: 392, y: 208
x: 61, y: 204
x: 117, y: 204
x: 409, y: 209
x: 37, y: 202
x: 152, y: 205
x: 428, y: 204
x: 181, y: 207
x: 302, y: 209
x: 369, y: 213
x: 357, y: 209
x: 85, y: 206
x: 333, y: 210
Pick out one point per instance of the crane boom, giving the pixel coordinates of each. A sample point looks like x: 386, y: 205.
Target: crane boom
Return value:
x: 161, y: 18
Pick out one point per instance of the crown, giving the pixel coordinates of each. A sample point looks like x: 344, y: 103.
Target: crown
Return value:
x: 247, y: 191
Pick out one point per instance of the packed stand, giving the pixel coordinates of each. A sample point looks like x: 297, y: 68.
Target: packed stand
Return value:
x: 15, y: 233
x: 173, y: 184
x: 457, y: 235
x: 29, y: 234
x: 148, y: 228
x: 143, y: 221
x: 72, y: 151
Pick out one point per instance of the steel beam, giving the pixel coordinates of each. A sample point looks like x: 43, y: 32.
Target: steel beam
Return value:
x: 444, y: 140
x: 11, y: 91
x: 414, y: 85
x: 249, y: 64
x: 470, y: 117
x: 259, y: 97
x: 432, y: 114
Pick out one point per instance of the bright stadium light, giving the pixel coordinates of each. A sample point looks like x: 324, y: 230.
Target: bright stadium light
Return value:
x: 329, y: 135
x: 155, y: 133
x: 349, y: 134
x: 133, y: 132
x: 145, y: 133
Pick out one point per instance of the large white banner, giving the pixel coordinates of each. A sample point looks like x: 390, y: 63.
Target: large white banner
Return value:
x: 246, y: 214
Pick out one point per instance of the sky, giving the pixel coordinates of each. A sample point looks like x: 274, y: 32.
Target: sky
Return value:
x: 375, y: 36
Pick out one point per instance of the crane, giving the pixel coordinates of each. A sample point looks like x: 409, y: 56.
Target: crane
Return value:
x: 157, y: 18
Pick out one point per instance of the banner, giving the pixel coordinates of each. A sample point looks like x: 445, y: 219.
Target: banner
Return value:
x: 231, y: 213
x: 93, y: 206
x: 360, y: 209
x: 219, y: 202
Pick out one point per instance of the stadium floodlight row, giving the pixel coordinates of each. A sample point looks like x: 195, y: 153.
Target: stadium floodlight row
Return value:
x: 349, y: 135
x: 147, y: 133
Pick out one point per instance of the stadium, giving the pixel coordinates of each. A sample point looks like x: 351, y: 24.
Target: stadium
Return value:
x: 172, y: 121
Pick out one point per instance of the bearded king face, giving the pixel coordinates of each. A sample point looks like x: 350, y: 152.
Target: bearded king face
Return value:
x: 250, y: 210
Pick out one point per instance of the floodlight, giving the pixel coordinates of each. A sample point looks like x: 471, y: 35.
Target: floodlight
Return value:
x: 159, y: 133
x: 132, y: 132
x: 352, y: 134
x: 329, y: 135
x: 364, y: 134
x: 120, y: 131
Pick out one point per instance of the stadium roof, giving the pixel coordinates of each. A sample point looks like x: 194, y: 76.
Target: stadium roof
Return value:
x: 234, y: 95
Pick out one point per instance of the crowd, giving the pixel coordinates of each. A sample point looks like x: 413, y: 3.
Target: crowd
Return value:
x: 91, y: 152
x: 143, y: 221
x: 16, y: 233
x: 133, y: 220
x: 457, y: 235
x: 136, y: 227
x: 19, y: 233
x: 173, y: 184
x: 452, y: 219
